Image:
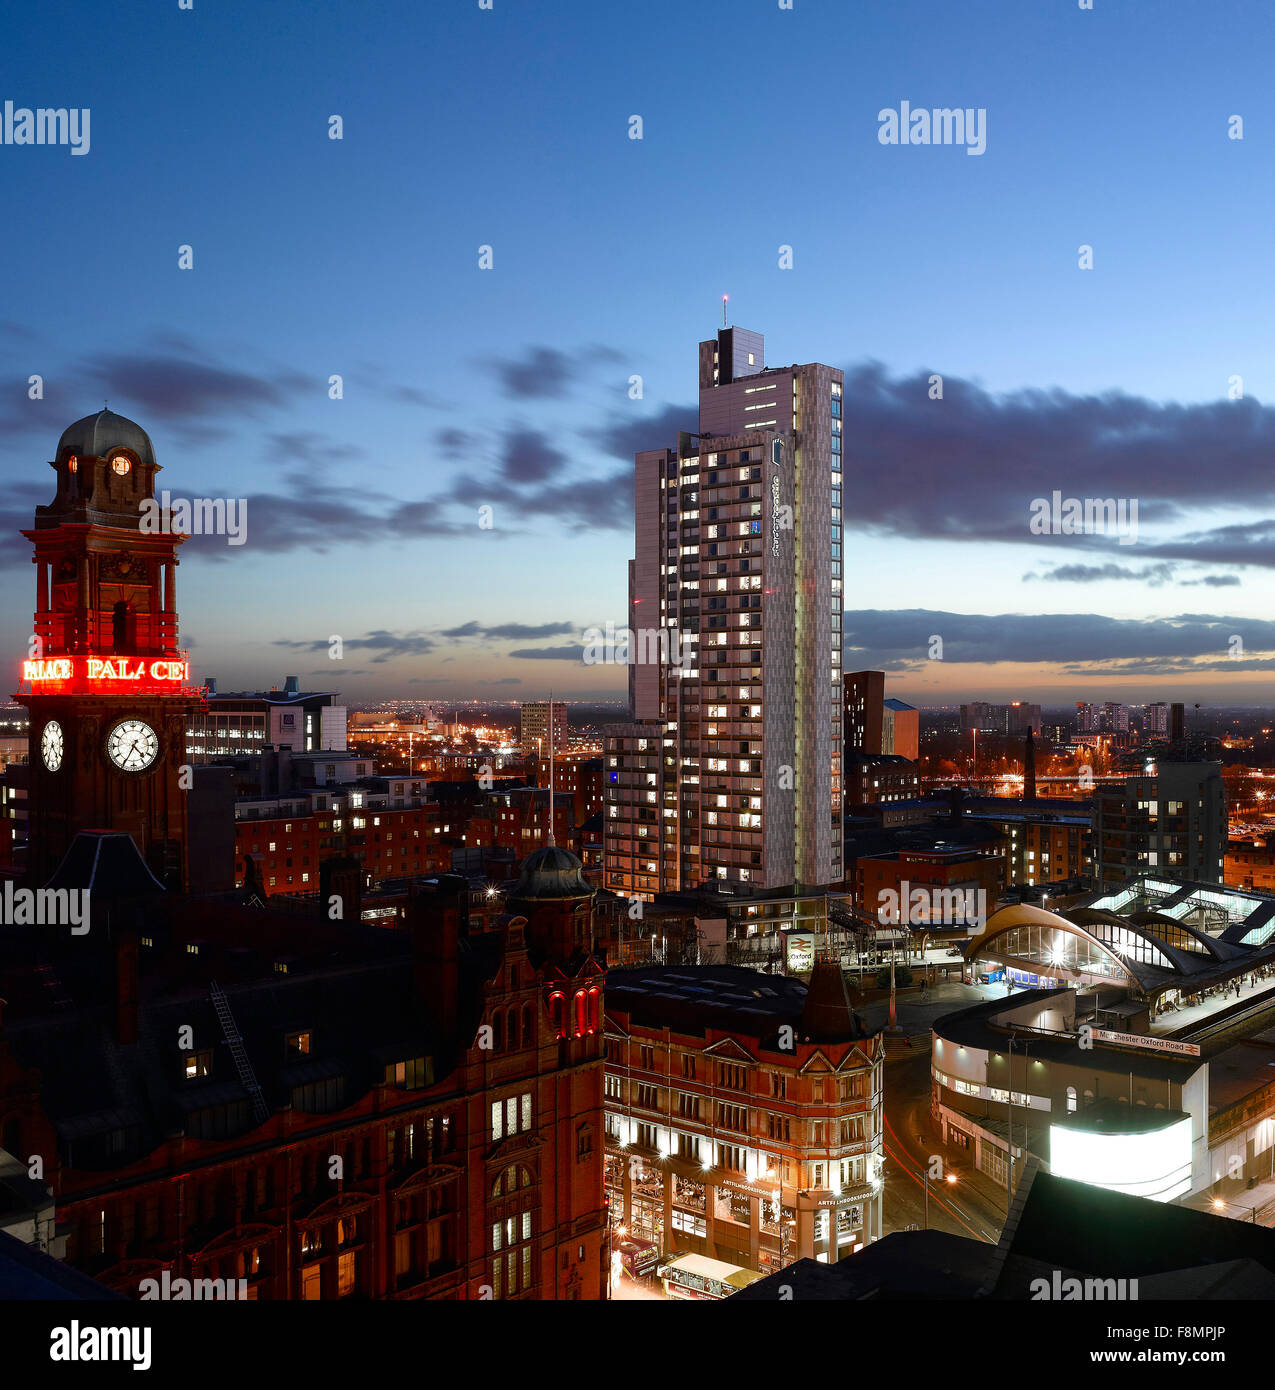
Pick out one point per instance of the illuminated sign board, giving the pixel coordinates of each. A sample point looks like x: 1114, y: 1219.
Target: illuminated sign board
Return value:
x: 1150, y: 1044
x: 800, y: 950
x: 77, y: 673
x: 774, y: 515
x: 1155, y: 1163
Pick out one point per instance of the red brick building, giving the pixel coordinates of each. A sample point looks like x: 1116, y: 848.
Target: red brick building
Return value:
x: 287, y: 849
x: 321, y: 1109
x: 744, y: 1114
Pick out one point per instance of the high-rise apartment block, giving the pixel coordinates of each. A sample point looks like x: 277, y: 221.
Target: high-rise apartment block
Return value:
x: 1013, y: 719
x: 864, y: 693
x: 731, y: 768
x: 535, y: 728
x: 1171, y: 821
x: 1108, y: 717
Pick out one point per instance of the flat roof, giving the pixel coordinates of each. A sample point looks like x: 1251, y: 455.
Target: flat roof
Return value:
x: 710, y: 1268
x: 1239, y: 1070
x: 272, y: 697
x: 973, y: 1027
x: 1112, y: 1116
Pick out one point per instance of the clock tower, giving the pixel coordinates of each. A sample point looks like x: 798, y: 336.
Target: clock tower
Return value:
x: 107, y: 689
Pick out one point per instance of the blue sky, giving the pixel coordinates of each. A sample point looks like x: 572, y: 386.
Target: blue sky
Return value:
x: 509, y: 387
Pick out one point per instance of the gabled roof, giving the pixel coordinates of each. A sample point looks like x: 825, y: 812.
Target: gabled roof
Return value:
x: 106, y: 863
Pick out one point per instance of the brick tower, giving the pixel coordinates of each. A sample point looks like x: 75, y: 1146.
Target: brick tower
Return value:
x: 106, y: 686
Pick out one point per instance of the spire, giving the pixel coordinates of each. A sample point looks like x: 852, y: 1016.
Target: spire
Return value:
x: 827, y: 1015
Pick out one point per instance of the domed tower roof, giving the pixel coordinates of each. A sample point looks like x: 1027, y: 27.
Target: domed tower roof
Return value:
x: 95, y: 436
x: 552, y: 872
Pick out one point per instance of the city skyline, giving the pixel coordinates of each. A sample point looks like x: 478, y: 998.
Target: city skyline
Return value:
x: 517, y: 394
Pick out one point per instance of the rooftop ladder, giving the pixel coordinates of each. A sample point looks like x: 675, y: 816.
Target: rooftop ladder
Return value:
x: 230, y: 1031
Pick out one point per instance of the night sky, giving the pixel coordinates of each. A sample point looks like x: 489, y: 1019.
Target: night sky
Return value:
x: 510, y: 387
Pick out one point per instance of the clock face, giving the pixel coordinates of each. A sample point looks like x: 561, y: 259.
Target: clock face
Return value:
x: 120, y: 464
x: 51, y: 745
x: 132, y: 745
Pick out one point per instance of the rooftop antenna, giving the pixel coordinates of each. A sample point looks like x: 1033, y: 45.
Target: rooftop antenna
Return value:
x: 725, y: 297
x: 551, y: 769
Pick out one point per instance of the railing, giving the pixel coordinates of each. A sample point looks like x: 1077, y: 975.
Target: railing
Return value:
x: 148, y: 634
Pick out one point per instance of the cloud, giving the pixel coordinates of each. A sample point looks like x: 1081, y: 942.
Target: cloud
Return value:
x: 1154, y: 575
x: 900, y: 639
x: 541, y: 373
x: 387, y: 644
x: 546, y: 373
x: 454, y: 443
x: 967, y: 468
x: 508, y: 631
x: 172, y: 388
x: 624, y: 435
x: 528, y: 457
x: 549, y: 653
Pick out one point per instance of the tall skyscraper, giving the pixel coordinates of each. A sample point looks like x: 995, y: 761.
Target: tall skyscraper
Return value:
x: 731, y: 768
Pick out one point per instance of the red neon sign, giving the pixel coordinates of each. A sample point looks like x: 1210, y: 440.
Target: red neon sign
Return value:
x: 68, y: 673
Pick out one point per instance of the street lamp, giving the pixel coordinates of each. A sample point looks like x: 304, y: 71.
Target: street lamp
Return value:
x: 1219, y: 1204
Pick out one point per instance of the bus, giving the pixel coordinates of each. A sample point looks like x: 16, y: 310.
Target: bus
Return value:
x: 697, y: 1276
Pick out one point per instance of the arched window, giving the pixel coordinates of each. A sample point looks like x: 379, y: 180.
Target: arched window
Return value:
x: 513, y: 1029
x: 595, y: 1010
x: 558, y: 1013
x: 1071, y: 1099
x: 496, y: 1041
x: 582, y: 1013
x: 514, y: 1177
x: 528, y: 1030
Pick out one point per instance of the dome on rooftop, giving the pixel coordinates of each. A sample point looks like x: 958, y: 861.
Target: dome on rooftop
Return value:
x: 95, y: 436
x: 552, y: 872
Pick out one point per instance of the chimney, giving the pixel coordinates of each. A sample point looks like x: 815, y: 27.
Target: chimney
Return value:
x: 127, y: 985
x: 436, y: 921
x: 341, y: 875
x: 210, y: 684
x: 1029, y: 769
x: 291, y: 685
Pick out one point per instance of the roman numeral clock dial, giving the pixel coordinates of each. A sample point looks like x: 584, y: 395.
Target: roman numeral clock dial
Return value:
x: 51, y: 745
x: 132, y: 745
